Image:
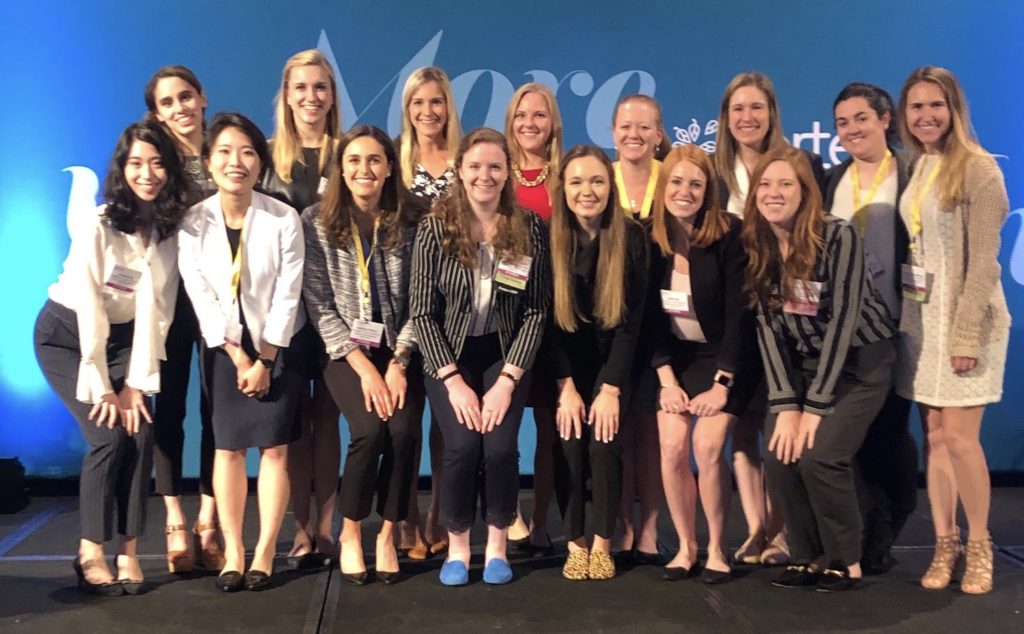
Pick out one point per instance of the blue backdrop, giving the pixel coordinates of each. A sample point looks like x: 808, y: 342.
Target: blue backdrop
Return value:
x: 78, y: 70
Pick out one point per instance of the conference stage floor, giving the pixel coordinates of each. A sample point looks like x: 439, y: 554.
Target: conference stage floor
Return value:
x: 38, y: 592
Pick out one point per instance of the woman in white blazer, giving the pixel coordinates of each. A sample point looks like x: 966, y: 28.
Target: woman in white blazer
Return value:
x: 241, y: 255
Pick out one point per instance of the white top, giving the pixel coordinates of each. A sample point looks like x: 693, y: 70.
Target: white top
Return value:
x: 480, y: 322
x: 271, y: 283
x: 738, y: 199
x: 96, y: 249
x: 879, y: 235
x: 685, y: 328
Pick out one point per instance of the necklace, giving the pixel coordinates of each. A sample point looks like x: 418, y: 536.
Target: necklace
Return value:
x: 525, y: 182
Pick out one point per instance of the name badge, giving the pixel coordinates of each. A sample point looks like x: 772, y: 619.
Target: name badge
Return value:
x: 514, y: 275
x: 123, y: 280
x: 676, y: 303
x: 914, y: 280
x: 805, y: 299
x: 366, y: 333
x: 322, y: 187
x: 875, y: 267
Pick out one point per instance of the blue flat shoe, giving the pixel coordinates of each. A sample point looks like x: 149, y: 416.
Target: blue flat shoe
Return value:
x: 455, y: 573
x: 497, y: 571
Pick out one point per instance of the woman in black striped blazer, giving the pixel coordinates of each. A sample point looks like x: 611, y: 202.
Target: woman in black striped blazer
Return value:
x: 479, y: 300
x: 826, y: 342
x: 358, y: 248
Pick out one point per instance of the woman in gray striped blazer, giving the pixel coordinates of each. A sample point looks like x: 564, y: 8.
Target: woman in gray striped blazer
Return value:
x: 358, y: 253
x: 826, y: 340
x: 479, y: 300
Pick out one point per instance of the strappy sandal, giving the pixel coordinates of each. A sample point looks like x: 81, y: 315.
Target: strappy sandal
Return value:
x: 978, y: 577
x: 212, y: 556
x: 948, y: 553
x: 178, y: 561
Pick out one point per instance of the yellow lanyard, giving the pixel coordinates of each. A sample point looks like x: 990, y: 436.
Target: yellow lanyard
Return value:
x: 236, y: 263
x: 645, y: 207
x: 915, y: 203
x: 364, y: 268
x: 860, y: 213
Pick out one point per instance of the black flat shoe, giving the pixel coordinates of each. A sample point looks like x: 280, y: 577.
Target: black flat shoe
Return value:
x: 256, y: 580
x: 526, y: 548
x: 354, y: 578
x: 836, y: 578
x: 231, y: 581
x: 132, y: 586
x: 878, y: 566
x: 715, y: 577
x: 641, y: 558
x: 389, y: 578
x: 678, y: 573
x: 312, y: 561
x: 108, y: 589
x: 796, y: 576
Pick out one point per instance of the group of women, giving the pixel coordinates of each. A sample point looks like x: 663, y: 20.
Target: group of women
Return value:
x: 647, y: 309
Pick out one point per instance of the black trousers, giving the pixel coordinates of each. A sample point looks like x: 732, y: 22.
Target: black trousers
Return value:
x: 887, y: 482
x: 603, y: 461
x: 466, y: 451
x: 818, y: 493
x: 381, y: 453
x: 116, y: 468
x: 169, y: 415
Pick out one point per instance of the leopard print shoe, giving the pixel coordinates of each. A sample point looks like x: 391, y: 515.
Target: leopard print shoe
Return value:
x: 602, y: 566
x: 577, y: 565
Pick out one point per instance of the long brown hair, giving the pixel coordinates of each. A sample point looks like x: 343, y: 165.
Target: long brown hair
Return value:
x: 512, y: 238
x: 286, y: 145
x: 725, y: 143
x: 711, y: 222
x: 337, y: 204
x: 609, y: 291
x: 959, y: 144
x: 765, y: 266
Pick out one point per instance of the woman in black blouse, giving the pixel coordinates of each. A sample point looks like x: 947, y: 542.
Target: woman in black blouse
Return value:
x: 599, y: 267
x: 703, y: 348
x: 479, y: 299
x: 826, y: 342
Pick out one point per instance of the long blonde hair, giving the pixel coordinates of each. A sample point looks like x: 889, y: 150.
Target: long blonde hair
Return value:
x: 765, y: 266
x: 959, y: 144
x: 512, y: 236
x: 408, y: 147
x: 555, y: 141
x: 725, y: 143
x: 711, y: 222
x: 286, y: 145
x: 609, y: 287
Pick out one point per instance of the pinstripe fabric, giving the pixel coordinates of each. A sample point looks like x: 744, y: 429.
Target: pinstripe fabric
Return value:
x: 851, y: 313
x: 330, y: 288
x: 441, y: 301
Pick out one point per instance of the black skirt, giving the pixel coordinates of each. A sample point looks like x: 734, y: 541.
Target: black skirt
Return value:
x: 695, y: 365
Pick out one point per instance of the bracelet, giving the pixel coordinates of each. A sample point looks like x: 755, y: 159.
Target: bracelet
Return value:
x: 444, y: 379
x: 509, y: 376
x: 669, y: 386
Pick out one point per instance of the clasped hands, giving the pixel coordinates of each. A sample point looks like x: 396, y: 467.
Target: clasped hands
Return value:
x: 129, y: 405
x: 572, y: 413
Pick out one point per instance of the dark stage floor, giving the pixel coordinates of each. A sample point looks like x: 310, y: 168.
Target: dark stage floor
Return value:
x: 37, y: 592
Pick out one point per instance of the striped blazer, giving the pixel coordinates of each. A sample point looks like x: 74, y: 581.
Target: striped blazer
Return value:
x: 441, y: 300
x: 850, y: 314
x: 330, y: 287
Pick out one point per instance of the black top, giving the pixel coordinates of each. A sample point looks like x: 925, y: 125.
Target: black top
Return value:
x: 716, y: 286
x: 303, y: 191
x: 593, y: 355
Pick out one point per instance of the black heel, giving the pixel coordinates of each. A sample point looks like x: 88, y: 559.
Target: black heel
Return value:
x: 108, y: 589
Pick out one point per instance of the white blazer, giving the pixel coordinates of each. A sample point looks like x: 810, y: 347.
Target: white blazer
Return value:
x: 271, y: 283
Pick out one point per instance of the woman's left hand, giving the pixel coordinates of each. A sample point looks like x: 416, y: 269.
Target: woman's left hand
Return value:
x: 495, y: 404
x: 805, y: 433
x: 604, y: 415
x: 394, y: 378
x: 963, y: 364
x: 133, y: 409
x: 711, y: 402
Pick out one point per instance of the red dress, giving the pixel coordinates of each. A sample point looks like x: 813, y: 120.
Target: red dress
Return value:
x: 534, y: 198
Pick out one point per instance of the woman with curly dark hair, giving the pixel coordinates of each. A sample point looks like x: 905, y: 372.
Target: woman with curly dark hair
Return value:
x: 100, y: 339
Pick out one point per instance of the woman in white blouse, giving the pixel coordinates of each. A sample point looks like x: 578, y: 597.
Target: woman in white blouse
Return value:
x: 241, y: 262
x: 100, y: 339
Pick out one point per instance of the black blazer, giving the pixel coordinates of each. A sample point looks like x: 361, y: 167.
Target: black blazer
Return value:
x: 716, y: 280
x: 903, y: 171
x: 817, y: 167
x: 616, y: 346
x: 440, y: 300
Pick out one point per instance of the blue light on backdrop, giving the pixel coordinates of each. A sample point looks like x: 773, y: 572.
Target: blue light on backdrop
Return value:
x: 76, y: 72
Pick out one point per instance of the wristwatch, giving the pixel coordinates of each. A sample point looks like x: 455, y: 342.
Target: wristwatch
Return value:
x: 723, y: 379
x: 267, y: 363
x: 402, y: 357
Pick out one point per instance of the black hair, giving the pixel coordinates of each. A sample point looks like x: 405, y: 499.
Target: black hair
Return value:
x: 224, y: 120
x: 174, y: 70
x: 172, y: 201
x: 878, y: 100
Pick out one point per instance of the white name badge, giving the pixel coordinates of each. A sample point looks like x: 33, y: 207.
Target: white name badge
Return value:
x: 366, y: 333
x: 676, y: 303
x: 875, y: 267
x: 914, y: 280
x: 322, y: 187
x: 805, y: 299
x: 123, y: 280
x: 514, y: 275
